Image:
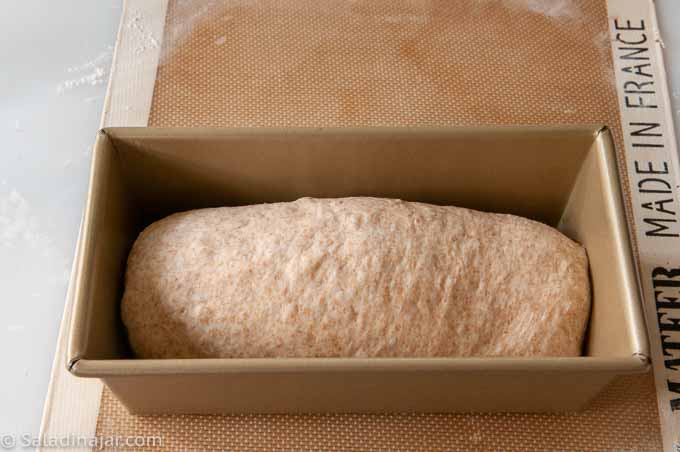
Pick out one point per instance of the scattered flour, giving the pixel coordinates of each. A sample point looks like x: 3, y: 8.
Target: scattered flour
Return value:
x: 96, y: 71
x: 16, y: 222
x: 144, y: 38
x: 193, y: 12
x: 554, y: 9
x: 102, y: 59
x: 96, y: 77
x: 21, y: 235
x: 90, y: 73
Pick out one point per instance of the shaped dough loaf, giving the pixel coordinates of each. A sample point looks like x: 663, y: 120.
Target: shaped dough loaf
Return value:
x: 354, y: 277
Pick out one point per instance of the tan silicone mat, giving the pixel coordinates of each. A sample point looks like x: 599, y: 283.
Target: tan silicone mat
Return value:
x: 622, y: 418
x: 280, y: 63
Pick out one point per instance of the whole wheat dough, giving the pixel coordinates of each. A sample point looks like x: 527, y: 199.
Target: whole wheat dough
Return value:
x: 354, y: 277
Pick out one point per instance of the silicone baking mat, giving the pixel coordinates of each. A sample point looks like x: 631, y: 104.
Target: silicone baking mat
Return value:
x: 254, y: 63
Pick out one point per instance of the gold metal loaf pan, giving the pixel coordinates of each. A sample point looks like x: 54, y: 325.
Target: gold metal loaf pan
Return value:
x: 563, y: 176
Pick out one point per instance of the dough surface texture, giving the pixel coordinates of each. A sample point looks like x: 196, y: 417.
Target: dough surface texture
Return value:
x: 354, y: 277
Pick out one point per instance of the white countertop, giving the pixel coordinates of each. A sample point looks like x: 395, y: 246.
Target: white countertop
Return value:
x: 55, y: 59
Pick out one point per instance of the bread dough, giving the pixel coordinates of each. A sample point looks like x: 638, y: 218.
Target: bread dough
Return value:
x: 354, y: 277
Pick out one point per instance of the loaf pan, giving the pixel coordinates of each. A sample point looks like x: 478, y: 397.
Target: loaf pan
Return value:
x: 563, y: 176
